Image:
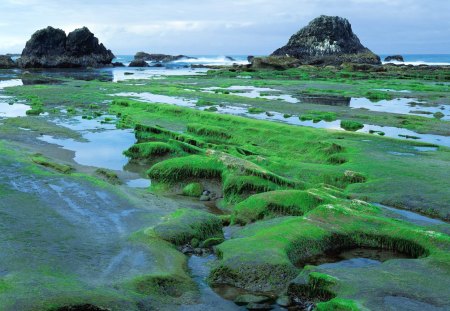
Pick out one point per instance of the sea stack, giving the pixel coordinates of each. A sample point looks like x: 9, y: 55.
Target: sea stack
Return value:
x: 6, y: 62
x: 51, y: 48
x: 327, y: 40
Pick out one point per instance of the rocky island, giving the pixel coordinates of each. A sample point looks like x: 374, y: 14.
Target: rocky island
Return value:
x: 51, y: 48
x: 327, y: 40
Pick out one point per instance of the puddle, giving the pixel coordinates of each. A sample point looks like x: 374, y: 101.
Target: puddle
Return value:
x: 163, y: 99
x: 10, y: 83
x: 389, y: 131
x: 402, y: 154
x: 254, y: 92
x: 102, y: 148
x: 12, y: 111
x: 426, y: 149
x: 200, y: 268
x: 411, y: 216
x: 129, y: 73
x: 391, y: 90
x: 353, y: 258
x: 401, y: 106
x: 139, y: 183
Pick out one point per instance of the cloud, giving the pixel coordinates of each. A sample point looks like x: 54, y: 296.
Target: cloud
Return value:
x: 227, y: 27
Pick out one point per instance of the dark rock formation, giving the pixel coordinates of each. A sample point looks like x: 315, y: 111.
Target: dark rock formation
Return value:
x: 138, y: 63
x: 118, y: 64
x: 160, y: 58
x: 231, y: 59
x: 6, y: 62
x: 397, y: 58
x: 51, y: 48
x: 328, y: 100
x: 327, y: 40
x: 250, y: 58
x: 275, y: 62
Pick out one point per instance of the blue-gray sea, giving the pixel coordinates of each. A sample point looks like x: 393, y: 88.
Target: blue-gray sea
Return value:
x: 413, y: 59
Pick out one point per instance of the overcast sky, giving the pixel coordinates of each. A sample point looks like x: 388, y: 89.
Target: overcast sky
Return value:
x: 228, y: 26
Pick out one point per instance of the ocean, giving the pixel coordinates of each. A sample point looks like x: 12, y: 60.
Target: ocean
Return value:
x: 410, y: 59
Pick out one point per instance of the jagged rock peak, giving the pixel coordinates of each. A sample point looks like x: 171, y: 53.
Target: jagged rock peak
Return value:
x: 327, y: 40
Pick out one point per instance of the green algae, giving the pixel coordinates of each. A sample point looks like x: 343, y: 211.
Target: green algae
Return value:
x: 184, y: 168
x: 193, y: 190
x: 41, y: 160
x: 275, y: 204
x: 186, y: 224
x: 349, y: 125
x: 148, y: 150
x: 303, y: 155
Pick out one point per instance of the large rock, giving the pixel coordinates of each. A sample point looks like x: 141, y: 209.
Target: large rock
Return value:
x: 327, y: 40
x: 397, y: 58
x: 138, y: 63
x: 51, y: 48
x: 6, y: 62
x: 160, y: 58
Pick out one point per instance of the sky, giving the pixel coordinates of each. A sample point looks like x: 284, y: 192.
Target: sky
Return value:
x: 228, y: 27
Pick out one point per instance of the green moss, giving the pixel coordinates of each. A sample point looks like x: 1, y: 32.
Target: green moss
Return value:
x: 109, y: 176
x: 148, y: 150
x: 208, y: 243
x: 438, y: 115
x: 207, y: 130
x: 353, y: 126
x: 318, y: 116
x: 263, y: 255
x: 41, y: 160
x: 255, y: 110
x: 236, y: 185
x: 186, y: 224
x: 275, y: 203
x: 339, y: 304
x: 193, y: 190
x: 179, y: 169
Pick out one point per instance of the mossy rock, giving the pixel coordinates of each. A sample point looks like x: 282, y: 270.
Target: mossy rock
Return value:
x: 41, y: 160
x: 179, y: 169
x: 352, y: 126
x: 186, y: 224
x: 148, y: 150
x: 340, y: 304
x: 275, y: 204
x: 263, y: 256
x: 168, y: 279
x: 109, y: 176
x: 193, y: 190
x: 212, y: 242
x: 318, y: 116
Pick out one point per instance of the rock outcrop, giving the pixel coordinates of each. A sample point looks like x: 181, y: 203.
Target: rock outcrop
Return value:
x: 159, y: 58
x: 6, y: 62
x: 397, y: 58
x: 327, y: 40
x: 138, y: 63
x: 51, y: 48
